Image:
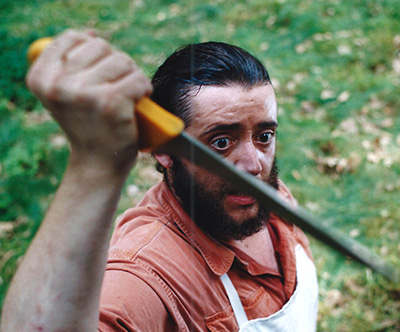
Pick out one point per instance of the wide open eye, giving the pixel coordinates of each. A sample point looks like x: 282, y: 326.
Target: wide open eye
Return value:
x: 221, y: 144
x: 265, y: 137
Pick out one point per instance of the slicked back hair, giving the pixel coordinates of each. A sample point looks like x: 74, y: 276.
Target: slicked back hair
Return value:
x: 210, y: 63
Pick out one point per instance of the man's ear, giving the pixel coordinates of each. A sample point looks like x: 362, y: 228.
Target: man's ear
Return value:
x: 164, y: 160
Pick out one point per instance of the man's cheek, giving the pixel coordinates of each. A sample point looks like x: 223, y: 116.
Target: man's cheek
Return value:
x: 208, y: 180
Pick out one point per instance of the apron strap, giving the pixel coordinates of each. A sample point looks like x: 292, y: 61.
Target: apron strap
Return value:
x: 234, y: 299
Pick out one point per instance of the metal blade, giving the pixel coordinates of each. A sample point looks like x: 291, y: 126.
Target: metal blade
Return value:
x: 192, y: 150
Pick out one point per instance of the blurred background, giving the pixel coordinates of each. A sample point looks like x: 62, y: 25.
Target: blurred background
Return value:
x: 335, y: 66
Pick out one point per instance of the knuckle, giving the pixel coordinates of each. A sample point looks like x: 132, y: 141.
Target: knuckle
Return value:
x: 54, y: 92
x: 143, y: 80
x: 102, y: 45
x: 144, y: 86
x: 124, y: 61
x: 35, y: 80
x: 134, y: 86
x: 32, y: 81
x: 70, y: 34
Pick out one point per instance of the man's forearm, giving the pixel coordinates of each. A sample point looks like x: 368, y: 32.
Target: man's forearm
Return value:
x: 57, y: 287
x: 90, y: 88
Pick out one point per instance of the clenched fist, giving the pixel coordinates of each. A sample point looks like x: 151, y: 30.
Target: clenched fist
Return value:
x: 91, y: 89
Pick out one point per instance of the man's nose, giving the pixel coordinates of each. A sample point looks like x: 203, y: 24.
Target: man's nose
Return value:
x: 248, y: 158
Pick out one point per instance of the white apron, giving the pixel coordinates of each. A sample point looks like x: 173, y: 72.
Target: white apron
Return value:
x: 299, y: 314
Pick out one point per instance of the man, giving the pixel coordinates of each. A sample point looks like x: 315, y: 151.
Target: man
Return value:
x: 196, y: 254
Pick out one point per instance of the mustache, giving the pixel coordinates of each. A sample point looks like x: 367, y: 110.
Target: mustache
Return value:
x: 230, y: 189
x: 227, y: 188
x: 205, y: 207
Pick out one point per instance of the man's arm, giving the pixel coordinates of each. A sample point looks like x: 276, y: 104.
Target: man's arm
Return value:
x: 90, y: 89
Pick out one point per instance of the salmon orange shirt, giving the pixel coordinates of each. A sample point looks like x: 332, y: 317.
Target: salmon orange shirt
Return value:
x: 163, y: 271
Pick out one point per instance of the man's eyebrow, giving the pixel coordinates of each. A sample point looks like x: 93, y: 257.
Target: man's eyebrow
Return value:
x: 222, y: 127
x: 237, y: 126
x: 267, y: 124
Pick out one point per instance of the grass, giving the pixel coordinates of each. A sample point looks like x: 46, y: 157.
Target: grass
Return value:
x: 335, y: 66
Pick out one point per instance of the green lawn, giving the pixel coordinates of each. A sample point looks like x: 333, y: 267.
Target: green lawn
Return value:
x: 335, y: 66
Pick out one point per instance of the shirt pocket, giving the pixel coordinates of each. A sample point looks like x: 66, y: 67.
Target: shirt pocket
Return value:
x: 259, y: 304
x: 222, y: 321
x: 256, y: 306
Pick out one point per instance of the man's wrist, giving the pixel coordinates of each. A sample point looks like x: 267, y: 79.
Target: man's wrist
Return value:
x: 93, y: 167
x: 93, y: 175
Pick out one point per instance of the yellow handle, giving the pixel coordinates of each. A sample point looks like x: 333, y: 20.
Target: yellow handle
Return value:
x: 156, y: 125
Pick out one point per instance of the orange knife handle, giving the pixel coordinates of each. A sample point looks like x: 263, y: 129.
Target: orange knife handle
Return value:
x: 156, y: 125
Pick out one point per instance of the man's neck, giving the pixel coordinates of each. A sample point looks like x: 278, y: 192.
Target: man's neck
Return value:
x: 259, y: 247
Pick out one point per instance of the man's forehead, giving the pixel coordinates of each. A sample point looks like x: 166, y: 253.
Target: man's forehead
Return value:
x: 229, y: 105
x: 236, y: 93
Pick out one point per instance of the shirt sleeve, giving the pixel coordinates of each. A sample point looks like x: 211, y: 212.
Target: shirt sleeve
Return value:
x: 130, y: 304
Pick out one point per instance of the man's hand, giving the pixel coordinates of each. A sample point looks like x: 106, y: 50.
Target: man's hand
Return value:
x: 90, y: 89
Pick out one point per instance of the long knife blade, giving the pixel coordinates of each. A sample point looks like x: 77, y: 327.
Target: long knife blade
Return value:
x: 194, y: 151
x: 160, y: 128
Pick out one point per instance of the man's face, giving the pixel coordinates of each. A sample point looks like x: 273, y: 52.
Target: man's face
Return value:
x: 240, y: 124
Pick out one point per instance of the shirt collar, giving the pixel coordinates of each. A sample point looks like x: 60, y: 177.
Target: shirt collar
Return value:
x: 218, y: 257
x: 255, y: 263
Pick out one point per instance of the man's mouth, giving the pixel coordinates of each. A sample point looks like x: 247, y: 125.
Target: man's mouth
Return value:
x: 241, y: 199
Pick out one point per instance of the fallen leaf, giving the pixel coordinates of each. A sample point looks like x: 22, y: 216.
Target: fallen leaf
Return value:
x: 344, y: 49
x: 303, y: 47
x: 387, y: 123
x: 312, y: 206
x: 349, y: 126
x: 296, y: 175
x: 132, y: 190
x: 343, y: 96
x: 333, y: 298
x: 58, y: 141
x: 307, y: 106
x: 396, y: 66
x: 396, y: 41
x: 354, y: 232
x: 6, y: 227
x: 327, y: 94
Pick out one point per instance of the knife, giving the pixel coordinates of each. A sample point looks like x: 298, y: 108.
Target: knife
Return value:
x: 162, y: 132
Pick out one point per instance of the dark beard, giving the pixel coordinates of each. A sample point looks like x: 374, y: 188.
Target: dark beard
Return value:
x: 206, y: 208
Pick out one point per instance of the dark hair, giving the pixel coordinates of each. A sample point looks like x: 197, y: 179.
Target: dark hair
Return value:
x: 210, y: 63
